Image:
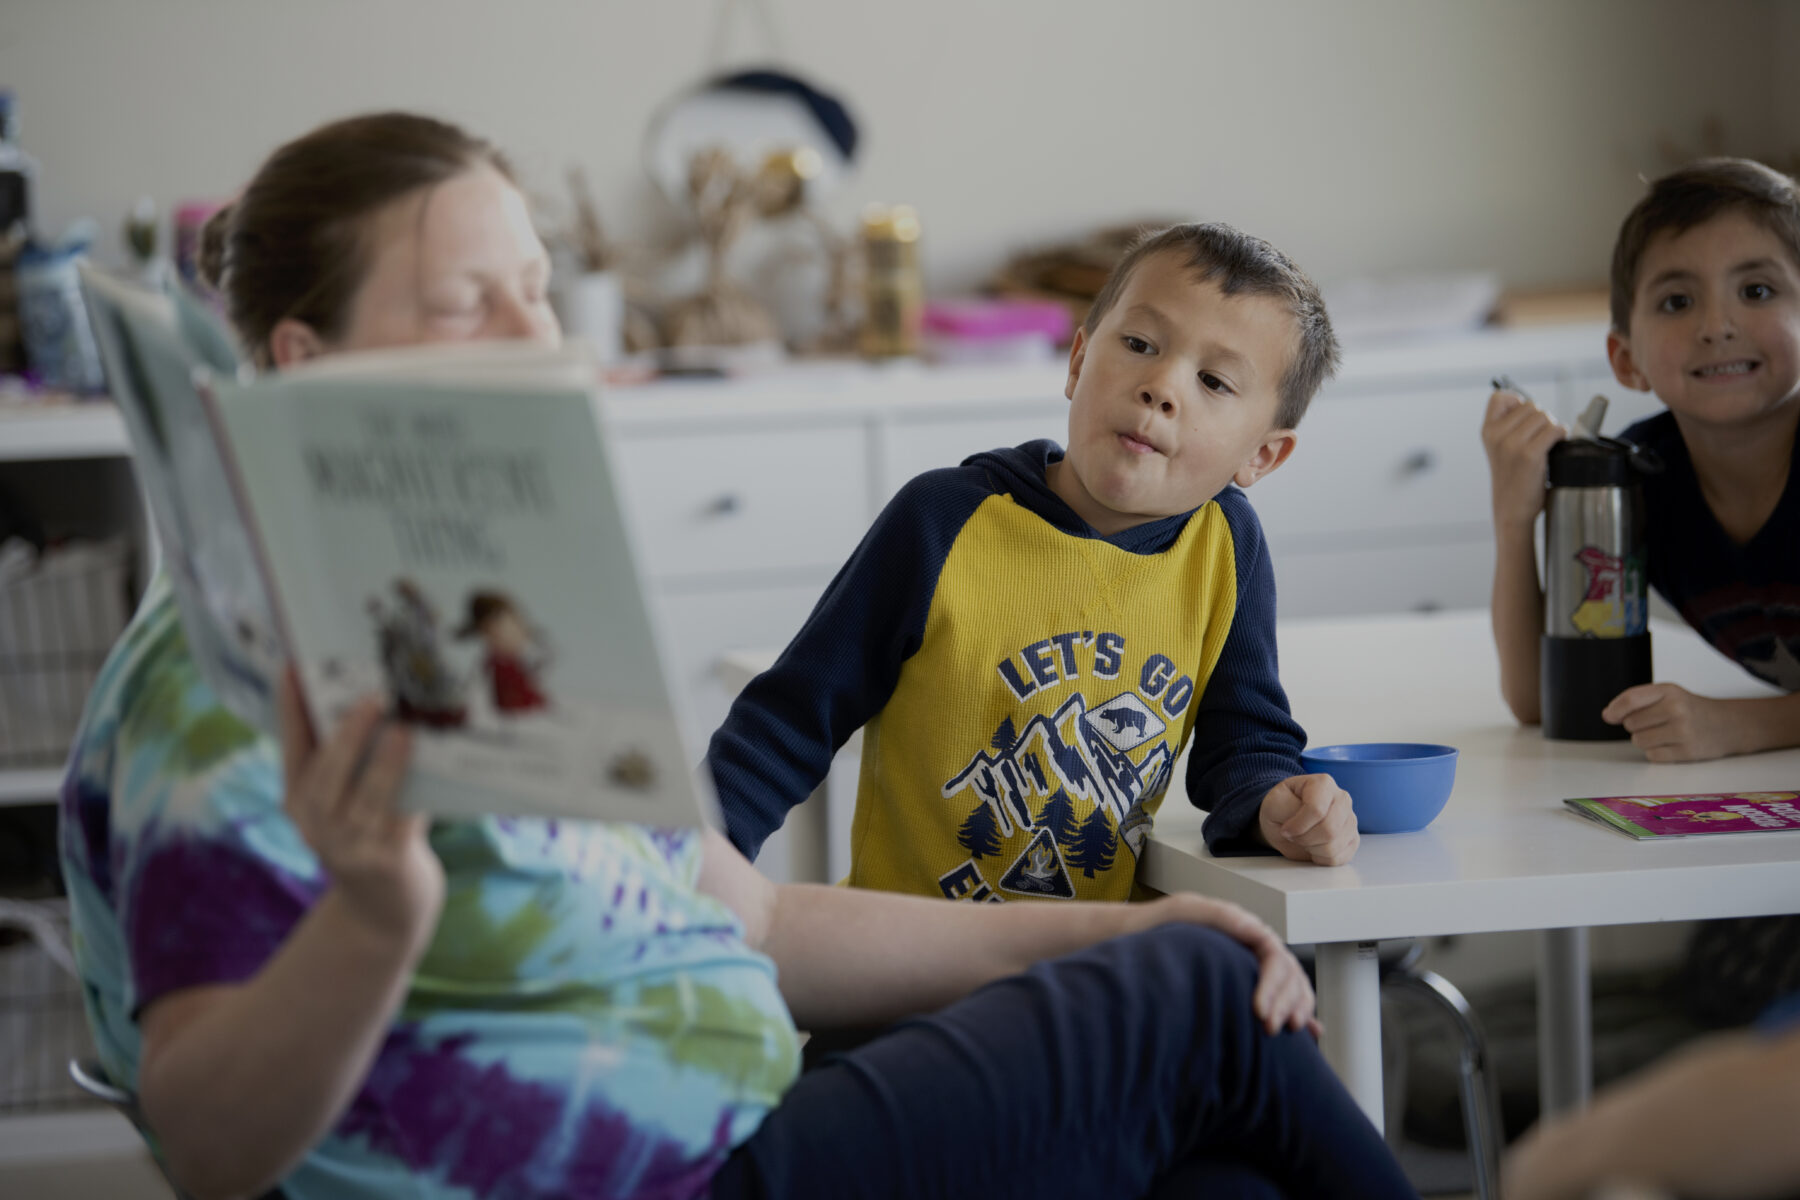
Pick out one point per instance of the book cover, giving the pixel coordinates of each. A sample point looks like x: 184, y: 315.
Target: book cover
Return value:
x: 1644, y: 817
x: 202, y: 544
x: 440, y: 526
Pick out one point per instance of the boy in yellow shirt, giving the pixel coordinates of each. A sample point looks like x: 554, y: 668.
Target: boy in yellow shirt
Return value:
x: 1032, y: 638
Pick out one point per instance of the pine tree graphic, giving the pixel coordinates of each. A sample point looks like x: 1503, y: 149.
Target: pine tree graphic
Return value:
x: 1005, y: 737
x: 1094, y: 845
x: 1058, y: 816
x: 980, y: 834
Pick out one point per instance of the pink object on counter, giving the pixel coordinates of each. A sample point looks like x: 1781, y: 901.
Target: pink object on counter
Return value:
x: 984, y: 320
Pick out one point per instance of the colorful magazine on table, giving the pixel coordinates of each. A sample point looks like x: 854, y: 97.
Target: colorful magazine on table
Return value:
x: 440, y: 525
x: 1644, y: 817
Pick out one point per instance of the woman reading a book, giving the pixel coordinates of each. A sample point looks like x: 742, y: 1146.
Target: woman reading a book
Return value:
x: 308, y: 988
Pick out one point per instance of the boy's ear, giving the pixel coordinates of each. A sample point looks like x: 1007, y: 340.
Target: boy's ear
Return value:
x: 1618, y: 353
x: 1077, y: 355
x: 292, y: 342
x: 1271, y: 454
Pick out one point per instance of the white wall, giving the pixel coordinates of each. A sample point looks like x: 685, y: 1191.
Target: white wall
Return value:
x: 1361, y: 136
x: 1787, y: 81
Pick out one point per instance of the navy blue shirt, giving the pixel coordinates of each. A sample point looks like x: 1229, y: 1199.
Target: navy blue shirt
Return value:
x: 1744, y: 600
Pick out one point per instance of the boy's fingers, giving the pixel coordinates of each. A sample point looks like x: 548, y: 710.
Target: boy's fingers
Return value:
x: 1653, y: 716
x: 1543, y: 439
x: 1532, y: 428
x: 1501, y: 401
x: 1317, y: 796
x: 1310, y: 807
x: 1630, y: 700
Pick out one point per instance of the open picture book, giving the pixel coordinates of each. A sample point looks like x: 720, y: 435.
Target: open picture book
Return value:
x: 435, y: 525
x: 1644, y: 817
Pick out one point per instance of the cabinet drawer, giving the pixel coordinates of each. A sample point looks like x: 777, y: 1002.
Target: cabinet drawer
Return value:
x: 775, y: 499
x: 1367, y: 464
x: 704, y: 625
x: 1417, y: 578
x: 701, y: 626
x: 911, y: 448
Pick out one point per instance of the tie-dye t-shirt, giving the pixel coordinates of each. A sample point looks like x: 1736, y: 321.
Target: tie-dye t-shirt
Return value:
x: 584, y: 1023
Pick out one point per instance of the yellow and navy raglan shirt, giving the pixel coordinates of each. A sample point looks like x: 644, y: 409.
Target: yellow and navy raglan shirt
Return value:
x: 1026, y: 685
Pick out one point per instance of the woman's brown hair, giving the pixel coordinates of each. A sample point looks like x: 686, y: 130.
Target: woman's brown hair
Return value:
x: 293, y: 245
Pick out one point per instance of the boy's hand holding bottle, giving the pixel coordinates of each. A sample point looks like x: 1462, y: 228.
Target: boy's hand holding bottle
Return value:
x: 1517, y: 436
x: 1308, y: 818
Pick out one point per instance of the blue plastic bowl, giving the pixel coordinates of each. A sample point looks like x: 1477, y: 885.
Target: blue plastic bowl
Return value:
x: 1395, y: 787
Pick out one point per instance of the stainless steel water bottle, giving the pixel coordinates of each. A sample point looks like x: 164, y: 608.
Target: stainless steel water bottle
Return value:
x: 1596, y: 630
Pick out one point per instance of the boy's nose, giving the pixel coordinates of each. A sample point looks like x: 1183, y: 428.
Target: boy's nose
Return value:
x: 1156, y: 394
x: 1716, y: 324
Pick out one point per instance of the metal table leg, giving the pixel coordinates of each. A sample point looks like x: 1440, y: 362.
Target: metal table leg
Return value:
x: 1565, y: 1021
x: 1349, y: 987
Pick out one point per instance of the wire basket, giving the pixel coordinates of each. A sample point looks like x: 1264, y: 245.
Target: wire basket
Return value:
x: 60, y: 613
x: 42, y: 1021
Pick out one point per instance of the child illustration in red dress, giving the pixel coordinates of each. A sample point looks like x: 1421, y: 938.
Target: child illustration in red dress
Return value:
x: 513, y: 654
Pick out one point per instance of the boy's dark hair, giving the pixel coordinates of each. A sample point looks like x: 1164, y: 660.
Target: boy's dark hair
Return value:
x: 1241, y: 264
x: 1696, y: 193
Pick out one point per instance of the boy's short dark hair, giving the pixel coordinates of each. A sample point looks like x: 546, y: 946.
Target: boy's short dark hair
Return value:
x: 1697, y: 193
x: 1241, y: 264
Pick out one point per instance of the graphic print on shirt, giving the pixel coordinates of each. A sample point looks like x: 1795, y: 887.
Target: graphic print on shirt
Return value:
x: 1080, y: 780
x: 1755, y: 625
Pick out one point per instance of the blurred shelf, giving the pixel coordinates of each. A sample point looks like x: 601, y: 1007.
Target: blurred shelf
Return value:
x: 34, y: 785
x: 91, y: 429
x: 66, y: 1134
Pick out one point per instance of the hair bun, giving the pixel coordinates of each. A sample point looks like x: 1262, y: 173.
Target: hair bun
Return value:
x: 215, y: 235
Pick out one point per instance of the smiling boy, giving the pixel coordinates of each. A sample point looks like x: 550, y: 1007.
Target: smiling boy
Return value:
x: 1032, y: 638
x: 1705, y: 314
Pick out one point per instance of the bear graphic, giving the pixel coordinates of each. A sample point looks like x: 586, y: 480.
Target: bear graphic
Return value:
x: 1122, y: 717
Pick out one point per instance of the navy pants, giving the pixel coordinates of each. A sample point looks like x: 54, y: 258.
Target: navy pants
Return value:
x: 1134, y: 1068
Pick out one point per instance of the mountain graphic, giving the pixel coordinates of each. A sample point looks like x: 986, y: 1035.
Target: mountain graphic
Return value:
x: 1081, y: 762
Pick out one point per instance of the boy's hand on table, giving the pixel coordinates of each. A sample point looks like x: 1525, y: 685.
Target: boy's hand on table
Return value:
x: 1309, y: 818
x: 343, y: 795
x: 1671, y: 724
x: 1284, y: 997
x: 1517, y: 436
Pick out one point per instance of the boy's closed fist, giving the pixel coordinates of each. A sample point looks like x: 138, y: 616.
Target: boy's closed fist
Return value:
x: 1671, y: 724
x: 1517, y: 436
x: 1308, y: 818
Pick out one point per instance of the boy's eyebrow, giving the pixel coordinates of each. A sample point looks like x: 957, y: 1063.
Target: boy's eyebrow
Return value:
x: 1679, y: 274
x: 1223, y: 356
x: 1672, y: 275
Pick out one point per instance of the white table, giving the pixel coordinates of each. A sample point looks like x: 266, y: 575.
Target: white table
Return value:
x: 1504, y: 854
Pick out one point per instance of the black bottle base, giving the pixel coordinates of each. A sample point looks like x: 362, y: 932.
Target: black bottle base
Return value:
x: 1580, y: 676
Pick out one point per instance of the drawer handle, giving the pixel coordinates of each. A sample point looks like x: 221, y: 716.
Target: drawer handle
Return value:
x: 723, y: 505
x: 1419, y: 462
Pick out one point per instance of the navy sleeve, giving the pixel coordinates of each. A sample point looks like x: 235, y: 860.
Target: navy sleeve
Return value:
x: 1245, y: 739
x: 777, y: 742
